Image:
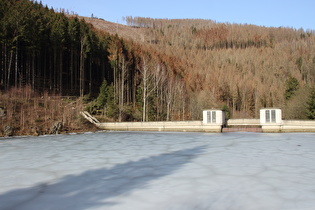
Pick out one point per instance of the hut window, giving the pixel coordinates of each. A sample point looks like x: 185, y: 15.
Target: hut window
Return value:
x: 211, y: 117
x: 208, y: 116
x: 267, y: 116
x: 270, y: 116
x: 214, y: 117
x: 273, y: 116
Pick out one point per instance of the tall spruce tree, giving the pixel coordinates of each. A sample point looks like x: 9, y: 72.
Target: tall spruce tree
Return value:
x: 311, y: 105
x: 291, y: 85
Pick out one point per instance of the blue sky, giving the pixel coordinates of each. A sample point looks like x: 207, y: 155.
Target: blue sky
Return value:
x: 276, y: 13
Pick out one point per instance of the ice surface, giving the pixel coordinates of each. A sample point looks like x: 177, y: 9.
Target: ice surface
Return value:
x: 139, y: 170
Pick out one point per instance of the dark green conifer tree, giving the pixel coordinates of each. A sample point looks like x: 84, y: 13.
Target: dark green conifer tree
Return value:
x: 292, y: 85
x: 311, y: 105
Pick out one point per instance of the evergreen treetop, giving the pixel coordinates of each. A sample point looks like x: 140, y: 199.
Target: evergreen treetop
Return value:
x: 311, y: 105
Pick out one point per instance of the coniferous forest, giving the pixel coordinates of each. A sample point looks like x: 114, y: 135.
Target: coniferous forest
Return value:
x: 153, y: 69
x: 49, y: 51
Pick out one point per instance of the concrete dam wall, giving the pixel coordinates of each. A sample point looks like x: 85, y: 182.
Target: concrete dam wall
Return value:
x: 181, y: 126
x: 214, y: 121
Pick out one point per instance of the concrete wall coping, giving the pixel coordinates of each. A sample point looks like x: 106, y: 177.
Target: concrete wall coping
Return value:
x: 298, y: 122
x: 231, y: 122
x: 155, y: 123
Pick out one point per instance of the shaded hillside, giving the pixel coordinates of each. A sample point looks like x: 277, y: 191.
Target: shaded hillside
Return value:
x: 58, y: 54
x: 49, y: 51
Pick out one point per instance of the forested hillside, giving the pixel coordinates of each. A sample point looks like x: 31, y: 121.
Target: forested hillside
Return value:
x: 155, y: 69
x: 240, y: 68
x: 49, y: 51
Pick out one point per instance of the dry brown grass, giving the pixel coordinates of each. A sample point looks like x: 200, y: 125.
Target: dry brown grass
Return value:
x: 126, y: 32
x: 29, y: 113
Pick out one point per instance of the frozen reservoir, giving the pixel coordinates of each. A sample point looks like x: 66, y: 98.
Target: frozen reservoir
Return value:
x: 155, y: 170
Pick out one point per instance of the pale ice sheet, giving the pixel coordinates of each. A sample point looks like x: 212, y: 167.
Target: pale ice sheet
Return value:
x: 135, y: 170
